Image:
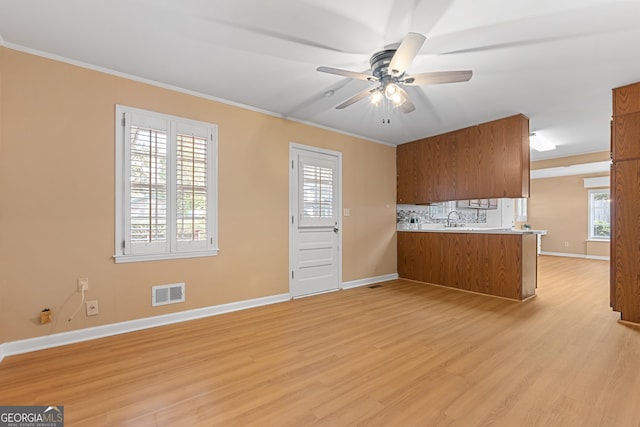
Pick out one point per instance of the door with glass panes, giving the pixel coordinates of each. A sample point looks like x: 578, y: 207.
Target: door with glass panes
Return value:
x: 314, y: 221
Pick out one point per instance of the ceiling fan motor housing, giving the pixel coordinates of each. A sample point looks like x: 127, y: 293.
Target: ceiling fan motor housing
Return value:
x: 380, y: 63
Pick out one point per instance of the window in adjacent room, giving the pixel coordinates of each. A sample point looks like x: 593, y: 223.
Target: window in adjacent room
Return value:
x: 521, y: 209
x: 166, y: 186
x: 599, y: 214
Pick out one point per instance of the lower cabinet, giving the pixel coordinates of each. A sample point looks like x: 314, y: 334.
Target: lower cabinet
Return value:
x: 500, y: 264
x: 625, y: 242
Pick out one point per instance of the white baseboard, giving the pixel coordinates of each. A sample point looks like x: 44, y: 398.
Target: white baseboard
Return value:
x: 565, y: 254
x: 369, y: 281
x: 603, y: 258
x: 64, y: 338
x: 49, y: 341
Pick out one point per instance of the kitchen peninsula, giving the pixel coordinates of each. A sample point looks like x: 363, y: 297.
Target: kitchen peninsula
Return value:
x: 484, y: 162
x: 499, y: 262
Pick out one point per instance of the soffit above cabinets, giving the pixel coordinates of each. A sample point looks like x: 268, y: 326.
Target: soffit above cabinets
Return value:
x: 579, y: 169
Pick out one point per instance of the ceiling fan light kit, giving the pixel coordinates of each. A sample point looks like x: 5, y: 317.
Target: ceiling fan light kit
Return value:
x: 388, y: 71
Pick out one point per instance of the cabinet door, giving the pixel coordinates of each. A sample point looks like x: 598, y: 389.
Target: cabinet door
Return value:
x: 504, y: 153
x: 626, y: 138
x: 406, y: 160
x: 436, y: 181
x: 626, y: 249
x: 468, y: 164
x: 626, y: 99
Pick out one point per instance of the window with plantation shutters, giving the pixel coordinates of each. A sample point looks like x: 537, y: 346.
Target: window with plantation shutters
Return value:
x: 166, y: 187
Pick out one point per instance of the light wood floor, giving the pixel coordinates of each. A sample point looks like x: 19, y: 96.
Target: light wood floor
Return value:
x: 404, y: 354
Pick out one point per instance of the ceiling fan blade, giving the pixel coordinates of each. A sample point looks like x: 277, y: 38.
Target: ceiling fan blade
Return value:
x: 347, y: 73
x: 348, y: 35
x: 539, y: 29
x: 407, y: 106
x: 406, y: 52
x: 357, y: 97
x: 438, y: 77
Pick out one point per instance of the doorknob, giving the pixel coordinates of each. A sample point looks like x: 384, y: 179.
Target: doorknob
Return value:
x: 335, y: 228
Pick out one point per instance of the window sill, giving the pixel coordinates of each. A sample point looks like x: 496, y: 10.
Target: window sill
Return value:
x: 122, y: 259
x: 599, y: 240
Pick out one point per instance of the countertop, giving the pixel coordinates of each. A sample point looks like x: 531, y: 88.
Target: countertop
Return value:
x: 477, y: 230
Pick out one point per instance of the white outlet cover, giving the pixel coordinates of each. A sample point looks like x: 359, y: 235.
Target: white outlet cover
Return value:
x: 92, y: 308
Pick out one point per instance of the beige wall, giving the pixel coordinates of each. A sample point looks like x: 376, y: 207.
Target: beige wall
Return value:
x: 560, y: 206
x: 57, y: 200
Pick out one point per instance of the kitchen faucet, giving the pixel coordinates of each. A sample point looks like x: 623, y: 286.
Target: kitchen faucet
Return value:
x: 449, y: 218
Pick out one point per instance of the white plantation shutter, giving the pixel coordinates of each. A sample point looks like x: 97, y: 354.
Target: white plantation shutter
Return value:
x: 318, y: 188
x: 166, y: 189
x: 146, y: 195
x: 148, y: 178
x: 192, y: 187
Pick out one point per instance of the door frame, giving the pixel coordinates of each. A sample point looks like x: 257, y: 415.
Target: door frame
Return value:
x: 293, y: 186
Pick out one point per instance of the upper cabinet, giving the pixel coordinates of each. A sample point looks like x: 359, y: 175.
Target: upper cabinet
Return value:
x: 490, y: 160
x: 626, y: 99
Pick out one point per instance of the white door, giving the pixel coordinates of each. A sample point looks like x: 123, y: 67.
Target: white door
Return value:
x: 315, y: 220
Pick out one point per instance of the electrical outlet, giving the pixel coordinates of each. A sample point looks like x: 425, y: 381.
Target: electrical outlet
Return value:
x: 45, y: 316
x: 566, y: 244
x: 83, y: 284
x: 92, y: 308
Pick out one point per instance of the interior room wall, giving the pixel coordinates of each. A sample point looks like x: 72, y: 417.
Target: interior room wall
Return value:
x: 560, y: 206
x: 57, y: 200
x: 2, y: 226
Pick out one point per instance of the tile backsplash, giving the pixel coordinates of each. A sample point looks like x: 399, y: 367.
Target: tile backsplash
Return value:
x: 409, y: 215
x: 434, y: 214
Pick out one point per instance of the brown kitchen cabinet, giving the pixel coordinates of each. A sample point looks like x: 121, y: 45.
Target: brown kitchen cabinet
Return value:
x: 490, y: 160
x: 504, y: 156
x: 625, y: 247
x: 435, y: 179
x: 406, y: 160
x: 626, y: 99
x: 627, y: 136
x: 467, y: 161
x: 500, y: 264
x: 625, y: 196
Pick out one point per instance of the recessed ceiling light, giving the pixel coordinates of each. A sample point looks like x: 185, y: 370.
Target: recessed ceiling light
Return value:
x: 539, y: 143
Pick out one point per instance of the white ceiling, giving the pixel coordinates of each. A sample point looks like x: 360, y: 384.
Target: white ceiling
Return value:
x: 555, y: 61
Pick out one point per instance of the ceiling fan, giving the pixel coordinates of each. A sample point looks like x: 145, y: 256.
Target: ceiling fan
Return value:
x: 388, y: 71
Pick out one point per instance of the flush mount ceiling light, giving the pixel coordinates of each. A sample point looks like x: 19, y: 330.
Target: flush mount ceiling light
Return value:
x: 539, y: 143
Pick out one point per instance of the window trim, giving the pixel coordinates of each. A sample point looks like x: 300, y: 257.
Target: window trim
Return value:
x: 522, y: 207
x: 122, y: 254
x: 590, y: 236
